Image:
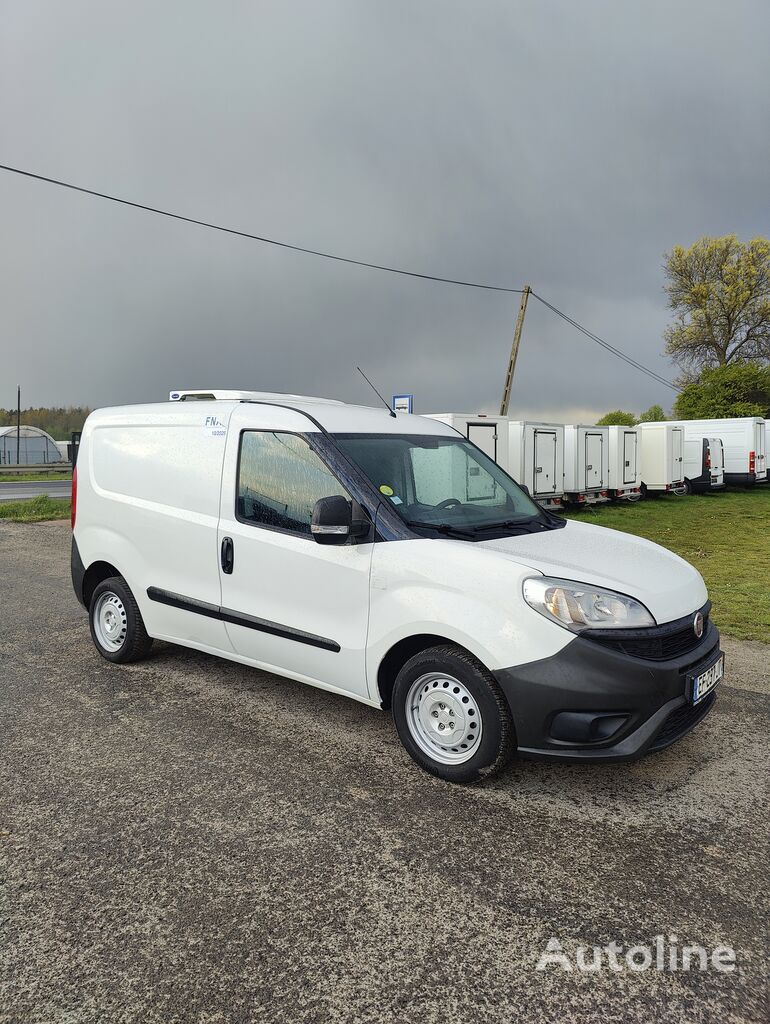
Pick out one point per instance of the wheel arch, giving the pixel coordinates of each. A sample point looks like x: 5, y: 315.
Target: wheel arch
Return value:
x: 404, y: 649
x: 93, y: 576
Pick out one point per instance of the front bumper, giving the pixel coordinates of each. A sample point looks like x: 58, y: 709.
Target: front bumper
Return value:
x: 564, y: 706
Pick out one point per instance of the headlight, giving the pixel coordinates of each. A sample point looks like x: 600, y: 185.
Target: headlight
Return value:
x: 579, y: 606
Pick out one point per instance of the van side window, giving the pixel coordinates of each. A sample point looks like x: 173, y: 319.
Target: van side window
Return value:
x: 280, y: 478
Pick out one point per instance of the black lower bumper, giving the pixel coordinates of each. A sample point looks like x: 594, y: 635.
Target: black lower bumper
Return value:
x: 742, y: 479
x: 592, y: 703
x: 77, y: 571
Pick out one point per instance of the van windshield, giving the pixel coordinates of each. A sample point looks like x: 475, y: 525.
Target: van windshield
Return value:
x: 443, y: 484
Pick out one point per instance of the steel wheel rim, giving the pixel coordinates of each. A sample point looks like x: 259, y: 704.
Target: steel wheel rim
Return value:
x: 110, y: 621
x: 443, y: 718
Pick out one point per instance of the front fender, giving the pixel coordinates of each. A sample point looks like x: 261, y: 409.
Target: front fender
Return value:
x: 461, y: 592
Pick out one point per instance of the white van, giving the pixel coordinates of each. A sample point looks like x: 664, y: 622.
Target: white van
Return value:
x: 662, y: 457
x: 744, y: 441
x: 348, y: 548
x: 625, y: 464
x: 704, y: 462
x: 586, y: 464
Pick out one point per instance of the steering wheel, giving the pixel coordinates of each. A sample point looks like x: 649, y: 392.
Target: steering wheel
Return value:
x: 449, y: 503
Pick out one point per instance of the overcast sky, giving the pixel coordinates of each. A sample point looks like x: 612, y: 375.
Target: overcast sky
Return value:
x: 561, y: 144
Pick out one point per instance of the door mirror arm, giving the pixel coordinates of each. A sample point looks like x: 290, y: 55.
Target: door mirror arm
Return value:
x: 360, y: 523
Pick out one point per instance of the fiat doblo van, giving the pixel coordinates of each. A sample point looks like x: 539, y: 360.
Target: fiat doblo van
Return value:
x: 387, y: 558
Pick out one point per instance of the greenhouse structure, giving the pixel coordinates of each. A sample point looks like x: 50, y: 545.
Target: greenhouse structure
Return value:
x: 34, y: 447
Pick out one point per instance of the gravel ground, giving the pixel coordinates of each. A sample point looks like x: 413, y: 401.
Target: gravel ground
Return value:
x: 191, y: 840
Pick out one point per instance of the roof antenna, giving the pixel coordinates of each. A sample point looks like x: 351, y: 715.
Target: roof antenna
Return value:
x: 374, y: 389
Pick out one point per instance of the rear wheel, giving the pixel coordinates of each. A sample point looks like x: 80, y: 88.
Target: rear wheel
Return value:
x: 451, y: 715
x: 117, y: 628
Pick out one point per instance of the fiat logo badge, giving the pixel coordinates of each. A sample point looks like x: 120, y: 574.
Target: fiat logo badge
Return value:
x: 697, y: 625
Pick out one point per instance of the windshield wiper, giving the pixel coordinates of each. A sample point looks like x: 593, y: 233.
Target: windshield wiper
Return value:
x: 446, y: 528
x: 513, y: 525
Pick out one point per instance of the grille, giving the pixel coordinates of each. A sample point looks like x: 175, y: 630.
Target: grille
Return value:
x: 681, y: 721
x: 657, y: 643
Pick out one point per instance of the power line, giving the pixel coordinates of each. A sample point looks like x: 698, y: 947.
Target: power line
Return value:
x: 606, y: 345
x: 340, y: 259
x: 256, y: 238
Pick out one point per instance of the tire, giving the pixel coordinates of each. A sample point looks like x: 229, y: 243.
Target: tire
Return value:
x: 465, y: 694
x: 117, y: 628
x: 686, y: 488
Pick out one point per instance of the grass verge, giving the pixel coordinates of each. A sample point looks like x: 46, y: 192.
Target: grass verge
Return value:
x: 725, y: 536
x: 35, y: 510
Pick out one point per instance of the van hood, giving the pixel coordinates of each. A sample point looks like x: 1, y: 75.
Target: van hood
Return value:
x: 667, y: 586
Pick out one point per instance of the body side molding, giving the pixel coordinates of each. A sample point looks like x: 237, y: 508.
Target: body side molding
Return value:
x: 213, y: 611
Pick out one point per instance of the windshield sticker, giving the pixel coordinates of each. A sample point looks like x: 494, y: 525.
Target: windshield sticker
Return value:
x: 396, y: 500
x: 387, y: 491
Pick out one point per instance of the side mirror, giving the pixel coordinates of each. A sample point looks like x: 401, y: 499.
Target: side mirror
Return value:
x: 332, y: 520
x: 523, y: 487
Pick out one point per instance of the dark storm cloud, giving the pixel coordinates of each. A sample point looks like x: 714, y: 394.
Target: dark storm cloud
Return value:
x: 565, y: 145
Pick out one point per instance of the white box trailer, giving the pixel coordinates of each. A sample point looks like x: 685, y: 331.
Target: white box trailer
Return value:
x: 536, y: 459
x: 662, y: 447
x: 745, y: 446
x: 625, y: 466
x: 490, y: 434
x: 586, y: 463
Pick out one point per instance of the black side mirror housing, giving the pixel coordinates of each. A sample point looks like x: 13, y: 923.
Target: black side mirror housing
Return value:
x: 336, y: 519
x: 332, y: 520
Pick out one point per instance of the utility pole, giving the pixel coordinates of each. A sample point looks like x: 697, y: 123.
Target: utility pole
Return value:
x: 18, y: 421
x: 514, y: 351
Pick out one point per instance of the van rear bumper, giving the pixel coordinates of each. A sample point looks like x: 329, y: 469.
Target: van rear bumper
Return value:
x: 744, y: 479
x: 78, y: 571
x: 591, y: 703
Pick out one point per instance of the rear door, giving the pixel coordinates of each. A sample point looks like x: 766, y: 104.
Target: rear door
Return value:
x: 545, y: 462
x: 716, y: 459
x: 289, y: 603
x: 760, y: 462
x: 594, y: 449
x: 481, y: 485
x: 630, y: 442
x: 717, y: 453
x: 677, y: 454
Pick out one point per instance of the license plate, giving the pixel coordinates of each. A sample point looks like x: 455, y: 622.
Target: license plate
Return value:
x: 705, y: 682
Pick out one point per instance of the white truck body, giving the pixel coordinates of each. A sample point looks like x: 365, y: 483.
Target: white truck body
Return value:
x: 489, y: 433
x: 662, y: 446
x: 536, y: 459
x: 586, y: 463
x: 745, y: 446
x: 625, y: 465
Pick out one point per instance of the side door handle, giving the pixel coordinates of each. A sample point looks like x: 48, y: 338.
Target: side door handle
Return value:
x: 227, y: 555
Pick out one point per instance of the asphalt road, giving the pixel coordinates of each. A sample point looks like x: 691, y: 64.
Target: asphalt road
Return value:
x: 31, y: 488
x: 191, y: 840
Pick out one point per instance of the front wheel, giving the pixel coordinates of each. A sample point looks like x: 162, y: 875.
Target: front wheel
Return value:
x: 451, y: 715
x: 117, y: 628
